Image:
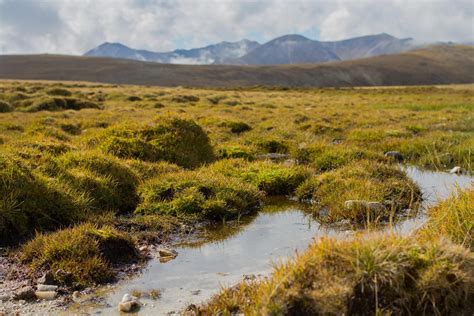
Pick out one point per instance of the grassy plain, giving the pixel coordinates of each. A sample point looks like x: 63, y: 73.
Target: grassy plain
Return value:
x: 94, y: 162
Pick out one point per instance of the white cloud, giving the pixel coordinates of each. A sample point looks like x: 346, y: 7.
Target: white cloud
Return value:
x: 74, y: 26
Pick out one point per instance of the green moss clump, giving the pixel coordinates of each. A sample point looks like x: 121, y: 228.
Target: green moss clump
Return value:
x: 185, y: 98
x: 30, y: 201
x: 271, y: 178
x: 147, y: 170
x: 238, y: 127
x: 273, y: 146
x: 5, y: 107
x: 84, y: 254
x: 179, y: 141
x: 363, y: 181
x: 134, y: 98
x: 58, y: 104
x: 107, y: 181
x: 230, y: 151
x: 72, y: 129
x: 201, y: 194
x: 368, y: 275
x: 329, y: 157
x: 59, y: 92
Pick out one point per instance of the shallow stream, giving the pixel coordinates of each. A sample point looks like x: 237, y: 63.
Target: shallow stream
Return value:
x: 248, y: 248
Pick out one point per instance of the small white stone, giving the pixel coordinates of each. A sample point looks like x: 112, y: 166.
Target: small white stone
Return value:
x: 456, y: 170
x: 126, y: 298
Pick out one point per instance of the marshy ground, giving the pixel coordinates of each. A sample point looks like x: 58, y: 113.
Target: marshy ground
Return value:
x: 92, y: 175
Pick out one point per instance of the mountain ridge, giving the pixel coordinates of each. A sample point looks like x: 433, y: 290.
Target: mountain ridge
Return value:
x: 286, y: 49
x: 442, y: 64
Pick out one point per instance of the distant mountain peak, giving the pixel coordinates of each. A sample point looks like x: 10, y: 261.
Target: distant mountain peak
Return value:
x: 286, y: 49
x: 291, y: 37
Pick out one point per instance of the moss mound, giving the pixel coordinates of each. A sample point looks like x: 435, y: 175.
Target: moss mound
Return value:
x: 230, y: 151
x: 30, y: 201
x: 59, y: 92
x: 273, y: 146
x: 272, y: 178
x: 326, y: 157
x: 371, y: 275
x: 360, y: 181
x: 179, y: 141
x: 84, y: 254
x: 59, y: 104
x: 238, y: 127
x: 5, y: 107
x: 147, y: 170
x: 108, y: 182
x: 201, y: 194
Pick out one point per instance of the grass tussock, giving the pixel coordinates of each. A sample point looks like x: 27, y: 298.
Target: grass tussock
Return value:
x: 108, y: 182
x: 30, y: 201
x: 5, y: 107
x: 80, y: 256
x: 200, y: 194
x: 58, y: 104
x: 271, y: 178
x: 453, y: 218
x: 176, y: 140
x: 371, y: 275
x: 360, y: 181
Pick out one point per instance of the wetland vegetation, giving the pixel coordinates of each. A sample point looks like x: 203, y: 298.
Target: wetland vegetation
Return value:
x: 92, y: 172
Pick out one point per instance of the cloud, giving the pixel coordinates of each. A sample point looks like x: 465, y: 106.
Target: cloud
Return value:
x: 74, y: 26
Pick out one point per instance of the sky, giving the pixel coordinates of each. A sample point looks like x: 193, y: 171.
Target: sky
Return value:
x: 75, y: 26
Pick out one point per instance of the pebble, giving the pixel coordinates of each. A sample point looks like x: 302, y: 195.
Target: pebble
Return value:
x: 46, y: 295
x: 46, y: 287
x: 129, y: 303
x: 163, y: 252
x: 456, y: 170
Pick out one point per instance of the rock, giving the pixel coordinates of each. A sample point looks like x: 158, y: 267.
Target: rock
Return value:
x: 456, y: 170
x: 46, y: 295
x: 76, y: 296
x: 195, y: 292
x: 396, y: 155
x: 163, y: 252
x: 129, y: 304
x: 126, y: 298
x: 24, y: 293
x: 45, y: 287
x: 127, y: 307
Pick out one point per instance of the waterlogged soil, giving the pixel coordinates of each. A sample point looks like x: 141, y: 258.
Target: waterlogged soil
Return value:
x: 247, y: 249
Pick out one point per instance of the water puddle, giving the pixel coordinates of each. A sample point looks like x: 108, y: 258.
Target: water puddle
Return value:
x: 435, y: 186
x: 249, y: 248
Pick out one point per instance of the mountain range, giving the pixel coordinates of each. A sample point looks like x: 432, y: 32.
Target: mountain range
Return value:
x: 438, y: 64
x: 287, y: 49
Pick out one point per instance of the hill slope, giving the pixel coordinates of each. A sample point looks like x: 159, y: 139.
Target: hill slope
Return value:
x: 434, y: 65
